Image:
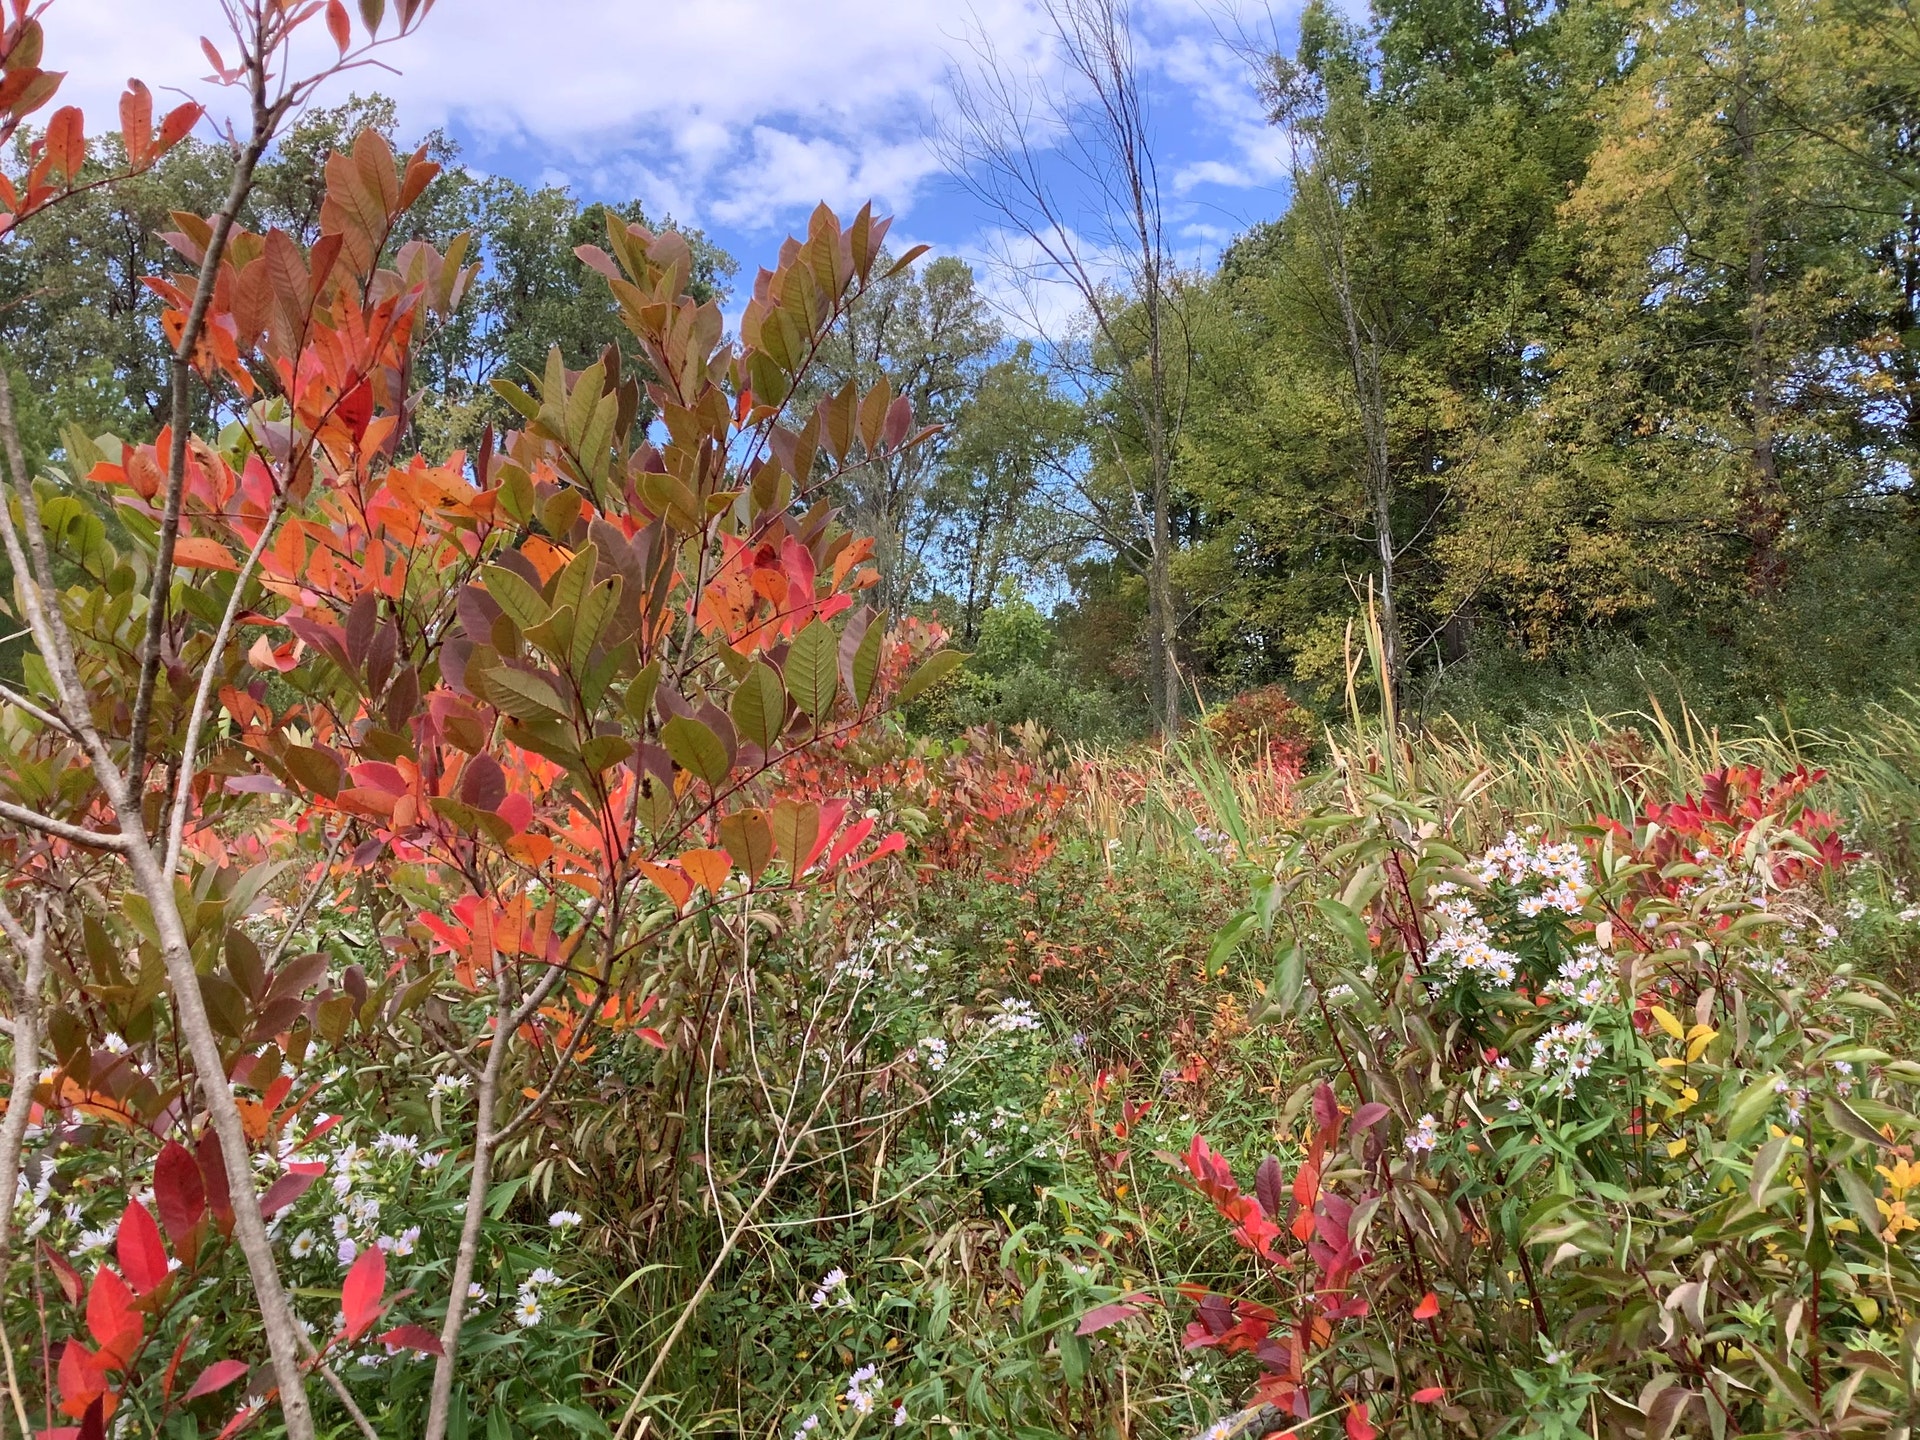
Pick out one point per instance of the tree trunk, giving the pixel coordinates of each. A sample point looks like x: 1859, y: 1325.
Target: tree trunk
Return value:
x: 1766, y: 510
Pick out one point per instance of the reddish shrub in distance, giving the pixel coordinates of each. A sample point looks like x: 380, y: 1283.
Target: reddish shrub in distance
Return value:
x: 1264, y: 724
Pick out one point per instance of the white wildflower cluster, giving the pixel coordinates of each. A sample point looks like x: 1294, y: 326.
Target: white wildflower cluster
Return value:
x: 932, y: 1052
x: 1909, y: 915
x: 1582, y: 979
x: 526, y: 1308
x: 891, y: 958
x: 564, y: 1219
x: 832, y: 1290
x: 1215, y: 842
x: 1796, y: 1099
x: 1565, y: 1054
x: 356, y: 1175
x: 1500, y: 1078
x: 1772, y: 968
x: 1547, y: 877
x: 1426, y: 1134
x: 1466, y: 947
x: 1013, y: 1017
x: 993, y: 1133
x: 807, y: 1427
x: 34, y: 1200
x: 445, y: 1085
x: 1522, y: 860
x: 863, y: 1388
x: 1842, y: 1076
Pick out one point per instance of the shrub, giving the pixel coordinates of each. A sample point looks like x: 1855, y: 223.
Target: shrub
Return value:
x: 1265, y: 724
x: 1604, y: 1143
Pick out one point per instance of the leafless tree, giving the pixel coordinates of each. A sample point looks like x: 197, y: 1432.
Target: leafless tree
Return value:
x: 1065, y: 162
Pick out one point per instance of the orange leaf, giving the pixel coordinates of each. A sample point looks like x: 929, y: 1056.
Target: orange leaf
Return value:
x: 708, y: 868
x: 175, y: 128
x: 136, y: 123
x: 677, y: 887
x: 1430, y: 1395
x: 67, y: 141
x: 338, y: 25
x: 1428, y: 1307
x: 195, y: 552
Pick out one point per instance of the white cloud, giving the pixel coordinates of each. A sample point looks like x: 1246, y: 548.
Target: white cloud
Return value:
x: 734, y: 114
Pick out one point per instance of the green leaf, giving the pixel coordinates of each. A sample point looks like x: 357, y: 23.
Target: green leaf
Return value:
x: 1750, y: 1106
x: 516, y: 397
x: 315, y: 769
x: 1859, y: 1200
x: 932, y: 671
x: 595, y: 610
x: 696, y: 748
x: 759, y: 707
x: 1349, y: 925
x: 1766, y: 1165
x: 515, y: 596
x: 813, y: 669
x: 866, y: 663
x: 523, y: 696
x: 1228, y: 940
x: 640, y: 692
x: 1849, y: 1121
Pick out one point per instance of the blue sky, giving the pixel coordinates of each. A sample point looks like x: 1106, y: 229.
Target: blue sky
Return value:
x: 738, y: 115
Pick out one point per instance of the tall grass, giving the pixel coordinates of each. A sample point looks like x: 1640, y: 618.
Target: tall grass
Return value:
x: 1571, y: 771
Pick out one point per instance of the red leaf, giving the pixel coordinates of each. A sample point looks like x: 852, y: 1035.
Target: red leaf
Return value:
x: 67, y: 141
x: 289, y: 1188
x: 412, y: 1337
x: 173, y: 1365
x: 1100, y: 1317
x: 72, y: 1282
x: 1432, y: 1395
x: 360, y: 1296
x: 1358, y: 1426
x: 176, y: 127
x: 82, y: 1378
x: 213, y: 1171
x: 338, y: 25
x: 213, y: 56
x: 216, y: 1376
x: 1428, y: 1307
x: 355, y: 408
x: 180, y: 1195
x: 142, y: 1255
x: 111, y: 1318
x: 1369, y: 1115
x: 652, y: 1036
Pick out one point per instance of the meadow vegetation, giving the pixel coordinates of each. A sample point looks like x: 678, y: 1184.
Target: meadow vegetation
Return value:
x: 519, y: 920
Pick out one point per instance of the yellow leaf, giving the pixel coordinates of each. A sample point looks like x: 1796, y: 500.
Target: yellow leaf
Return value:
x: 1697, y: 1046
x: 1676, y: 1147
x: 1664, y: 1019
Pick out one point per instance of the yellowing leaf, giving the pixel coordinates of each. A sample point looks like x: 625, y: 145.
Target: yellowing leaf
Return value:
x: 195, y: 552
x: 1697, y: 1046
x: 1676, y: 1147
x: 1664, y: 1019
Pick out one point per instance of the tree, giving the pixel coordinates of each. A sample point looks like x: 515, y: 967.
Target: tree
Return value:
x: 930, y: 337
x: 1071, y: 171
x: 539, y: 692
x: 1010, y: 450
